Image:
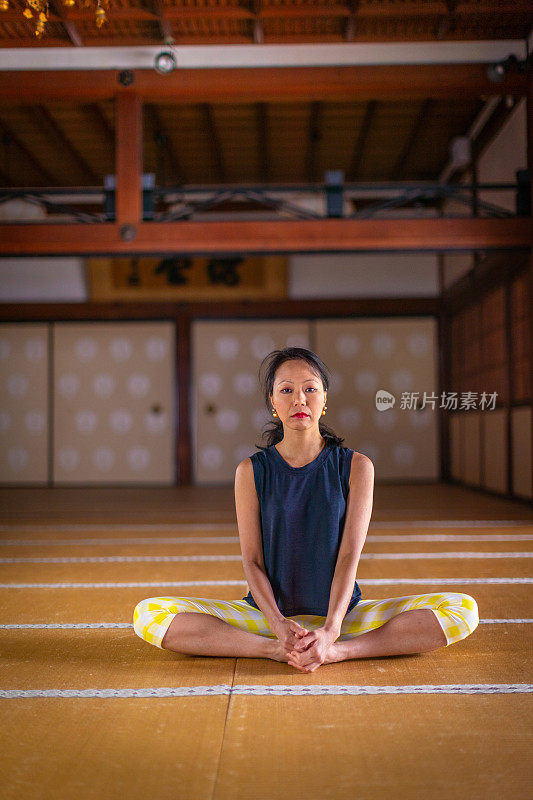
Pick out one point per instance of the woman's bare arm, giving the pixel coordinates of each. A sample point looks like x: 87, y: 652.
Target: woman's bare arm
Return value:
x: 249, y: 525
x: 356, y: 522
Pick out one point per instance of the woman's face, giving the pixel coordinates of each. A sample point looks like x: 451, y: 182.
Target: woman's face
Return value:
x: 298, y: 388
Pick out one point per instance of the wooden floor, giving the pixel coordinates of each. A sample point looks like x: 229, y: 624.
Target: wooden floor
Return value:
x: 95, y: 712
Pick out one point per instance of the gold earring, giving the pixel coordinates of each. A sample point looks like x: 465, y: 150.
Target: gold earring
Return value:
x: 274, y: 412
x: 323, y: 410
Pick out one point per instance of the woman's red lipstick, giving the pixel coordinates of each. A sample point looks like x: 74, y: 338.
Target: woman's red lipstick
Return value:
x: 300, y: 414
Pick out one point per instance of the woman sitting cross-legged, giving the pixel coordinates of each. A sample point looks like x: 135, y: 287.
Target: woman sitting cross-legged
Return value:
x: 303, y: 505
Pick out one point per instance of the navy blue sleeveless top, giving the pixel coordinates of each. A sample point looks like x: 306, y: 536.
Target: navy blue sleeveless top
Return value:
x: 302, y: 520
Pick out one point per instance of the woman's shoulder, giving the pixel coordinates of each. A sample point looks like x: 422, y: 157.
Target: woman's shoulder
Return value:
x: 256, y: 460
x: 259, y: 454
x: 252, y: 459
x: 358, y: 462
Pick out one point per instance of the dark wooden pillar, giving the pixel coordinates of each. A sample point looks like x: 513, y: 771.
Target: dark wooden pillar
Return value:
x: 444, y: 382
x: 128, y: 167
x: 529, y: 128
x: 184, y: 453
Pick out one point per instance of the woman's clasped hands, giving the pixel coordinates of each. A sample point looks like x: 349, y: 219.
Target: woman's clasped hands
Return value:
x: 306, y: 650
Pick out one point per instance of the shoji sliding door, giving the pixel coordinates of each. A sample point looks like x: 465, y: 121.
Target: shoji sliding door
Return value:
x: 114, y: 403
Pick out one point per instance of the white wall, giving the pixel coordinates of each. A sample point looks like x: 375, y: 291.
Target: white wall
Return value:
x: 42, y: 280
x: 363, y: 275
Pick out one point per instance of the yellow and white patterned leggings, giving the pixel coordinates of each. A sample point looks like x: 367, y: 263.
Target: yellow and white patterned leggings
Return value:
x: 457, y: 614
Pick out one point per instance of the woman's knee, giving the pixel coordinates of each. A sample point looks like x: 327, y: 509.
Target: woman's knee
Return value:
x: 461, y: 616
x: 151, y: 618
x: 470, y: 610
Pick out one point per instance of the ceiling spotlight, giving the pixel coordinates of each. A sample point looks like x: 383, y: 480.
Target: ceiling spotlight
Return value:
x: 496, y: 72
x: 165, y: 62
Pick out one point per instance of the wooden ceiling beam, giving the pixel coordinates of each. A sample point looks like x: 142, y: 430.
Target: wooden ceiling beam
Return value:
x: 214, y: 141
x: 259, y: 34
x: 446, y: 24
x: 487, y: 134
x: 269, y: 236
x: 128, y: 163
x: 162, y: 139
x: 493, y: 126
x: 130, y: 14
x: 394, y: 36
x: 69, y: 25
x: 99, y: 121
x: 304, y: 11
x: 262, y: 141
x: 399, y: 168
x: 42, y: 117
x: 364, y: 133
x: 242, y: 85
x: 160, y: 11
x: 350, y: 25
x: 434, y: 8
x: 7, y: 134
x: 313, y: 140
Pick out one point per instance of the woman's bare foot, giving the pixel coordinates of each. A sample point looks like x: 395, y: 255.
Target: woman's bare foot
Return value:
x: 278, y: 652
x: 332, y: 654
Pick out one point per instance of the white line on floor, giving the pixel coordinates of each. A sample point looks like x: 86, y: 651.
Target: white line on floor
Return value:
x: 226, y: 689
x: 132, y: 559
x: 187, y: 526
x: 87, y: 625
x: 157, y: 584
x: 415, y: 537
x: 453, y: 523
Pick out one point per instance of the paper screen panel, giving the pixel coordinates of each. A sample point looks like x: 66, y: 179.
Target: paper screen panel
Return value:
x: 397, y: 355
x: 229, y: 410
x: 114, y: 403
x: 24, y: 412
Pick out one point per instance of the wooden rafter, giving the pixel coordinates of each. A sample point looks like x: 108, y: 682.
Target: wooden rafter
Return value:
x: 265, y: 236
x: 259, y: 34
x: 100, y: 123
x: 399, y: 168
x: 370, y: 113
x: 350, y: 25
x: 448, y: 21
x: 162, y: 139
x: 69, y: 25
x: 213, y: 138
x: 313, y: 141
x: 42, y: 117
x: 492, y: 126
x: 262, y: 141
x: 276, y: 84
x: 9, y: 135
x: 165, y: 27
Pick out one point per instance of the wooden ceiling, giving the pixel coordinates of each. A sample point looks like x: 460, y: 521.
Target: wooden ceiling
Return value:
x: 55, y: 140
x: 67, y: 144
x: 145, y: 22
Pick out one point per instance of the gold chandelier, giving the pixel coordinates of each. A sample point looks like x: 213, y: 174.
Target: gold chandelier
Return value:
x: 42, y: 10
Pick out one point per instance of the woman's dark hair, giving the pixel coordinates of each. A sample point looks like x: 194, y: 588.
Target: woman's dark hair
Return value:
x: 267, y: 372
